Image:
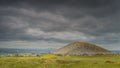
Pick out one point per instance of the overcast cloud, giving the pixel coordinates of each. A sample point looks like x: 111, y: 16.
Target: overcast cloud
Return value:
x: 53, y: 23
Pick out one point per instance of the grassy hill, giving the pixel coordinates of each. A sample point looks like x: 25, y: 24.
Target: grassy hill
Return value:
x: 82, y: 48
x: 70, y: 56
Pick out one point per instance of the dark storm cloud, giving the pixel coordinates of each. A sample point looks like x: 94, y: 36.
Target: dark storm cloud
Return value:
x: 88, y: 20
x: 98, y: 8
x: 73, y: 2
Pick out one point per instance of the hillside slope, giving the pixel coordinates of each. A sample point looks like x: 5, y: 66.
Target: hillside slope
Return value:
x: 82, y: 48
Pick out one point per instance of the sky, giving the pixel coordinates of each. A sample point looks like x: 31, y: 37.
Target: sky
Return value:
x: 55, y: 23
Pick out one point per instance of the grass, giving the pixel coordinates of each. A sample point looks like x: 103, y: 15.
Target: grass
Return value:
x: 56, y: 61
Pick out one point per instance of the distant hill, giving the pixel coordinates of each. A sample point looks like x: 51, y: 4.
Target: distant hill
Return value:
x: 6, y: 51
x: 82, y: 48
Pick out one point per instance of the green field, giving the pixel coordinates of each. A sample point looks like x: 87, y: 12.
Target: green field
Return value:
x: 56, y: 61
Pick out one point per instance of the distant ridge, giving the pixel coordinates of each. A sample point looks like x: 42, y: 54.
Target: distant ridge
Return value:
x: 82, y: 48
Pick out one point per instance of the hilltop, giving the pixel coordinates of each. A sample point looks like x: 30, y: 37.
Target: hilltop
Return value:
x: 82, y: 48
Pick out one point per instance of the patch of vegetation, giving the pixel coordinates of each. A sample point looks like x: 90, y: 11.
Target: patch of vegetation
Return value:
x: 60, y: 61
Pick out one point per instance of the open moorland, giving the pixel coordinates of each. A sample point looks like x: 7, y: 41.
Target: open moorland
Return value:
x: 60, y: 61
